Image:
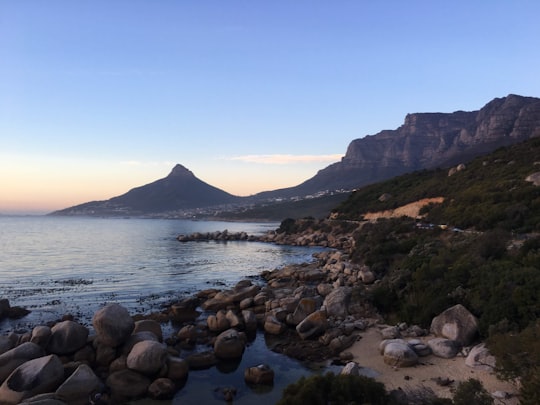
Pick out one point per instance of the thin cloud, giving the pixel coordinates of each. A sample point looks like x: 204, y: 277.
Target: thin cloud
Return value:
x: 287, y: 159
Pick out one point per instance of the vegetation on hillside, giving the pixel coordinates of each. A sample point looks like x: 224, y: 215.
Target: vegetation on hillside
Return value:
x: 486, y: 257
x: 491, y: 192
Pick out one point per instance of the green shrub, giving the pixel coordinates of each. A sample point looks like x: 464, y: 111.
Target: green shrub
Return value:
x: 336, y: 390
x: 472, y: 392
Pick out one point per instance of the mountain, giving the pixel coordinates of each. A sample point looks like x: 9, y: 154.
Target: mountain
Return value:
x: 180, y: 190
x: 425, y: 141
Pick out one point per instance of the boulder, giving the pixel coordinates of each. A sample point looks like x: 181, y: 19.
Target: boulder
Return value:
x: 79, y: 386
x: 398, y: 353
x: 444, y: 348
x: 337, y: 301
x: 6, y: 344
x: 104, y: 354
x: 273, y: 326
x: 234, y: 319
x: 250, y: 321
x: 183, y: 312
x: 480, y: 358
x: 13, y: 358
x: 41, y: 335
x: 113, y: 324
x: 456, y: 323
x: 351, y: 368
x: 162, y: 388
x: 147, y: 357
x: 125, y: 385
x: 261, y: 374
x: 136, y: 338
x: 149, y: 325
x: 202, y: 360
x: 230, y: 344
x: 315, y: 324
x: 4, y: 308
x: 218, y: 322
x: 67, y: 337
x: 34, y: 377
x: 177, y: 368
x: 304, y: 307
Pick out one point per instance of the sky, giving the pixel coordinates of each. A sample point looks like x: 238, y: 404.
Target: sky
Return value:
x: 100, y: 96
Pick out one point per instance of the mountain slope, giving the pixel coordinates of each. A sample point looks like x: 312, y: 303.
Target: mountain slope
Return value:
x: 180, y: 190
x: 493, y: 190
x: 424, y: 141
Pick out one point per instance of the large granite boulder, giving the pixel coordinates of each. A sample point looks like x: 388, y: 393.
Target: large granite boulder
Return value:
x: 67, y: 337
x: 13, y: 358
x: 113, y: 324
x: 304, y: 307
x: 79, y: 386
x: 34, y: 377
x: 398, y: 353
x: 230, y: 344
x: 147, y: 357
x: 336, y: 303
x: 456, y: 323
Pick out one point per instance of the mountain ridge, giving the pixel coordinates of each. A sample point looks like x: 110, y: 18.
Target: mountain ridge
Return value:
x: 423, y: 141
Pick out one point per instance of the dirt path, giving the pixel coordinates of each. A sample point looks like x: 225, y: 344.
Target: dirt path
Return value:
x: 366, y: 354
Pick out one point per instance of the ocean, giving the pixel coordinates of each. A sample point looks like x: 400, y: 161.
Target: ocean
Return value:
x: 74, y: 265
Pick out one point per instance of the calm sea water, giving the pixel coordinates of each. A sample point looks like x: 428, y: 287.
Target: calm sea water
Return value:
x: 59, y: 265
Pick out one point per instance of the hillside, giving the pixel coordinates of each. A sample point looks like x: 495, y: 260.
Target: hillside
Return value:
x: 490, y: 191
x: 180, y: 190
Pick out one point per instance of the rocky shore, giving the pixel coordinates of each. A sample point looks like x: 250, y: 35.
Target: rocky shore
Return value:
x: 316, y: 311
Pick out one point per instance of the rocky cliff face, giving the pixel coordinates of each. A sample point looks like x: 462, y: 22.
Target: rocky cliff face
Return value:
x: 429, y: 140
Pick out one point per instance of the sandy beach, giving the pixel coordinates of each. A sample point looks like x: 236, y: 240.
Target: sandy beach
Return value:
x: 366, y: 354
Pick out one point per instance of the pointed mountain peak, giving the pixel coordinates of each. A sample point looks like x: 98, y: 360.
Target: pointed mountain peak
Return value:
x: 180, y: 171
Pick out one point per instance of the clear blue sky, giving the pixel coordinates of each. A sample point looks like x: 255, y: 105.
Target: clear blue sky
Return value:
x: 97, y: 97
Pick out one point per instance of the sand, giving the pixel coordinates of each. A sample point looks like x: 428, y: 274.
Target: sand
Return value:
x: 366, y: 354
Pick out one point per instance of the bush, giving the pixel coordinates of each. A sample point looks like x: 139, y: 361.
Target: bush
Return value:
x: 472, y: 392
x: 335, y: 390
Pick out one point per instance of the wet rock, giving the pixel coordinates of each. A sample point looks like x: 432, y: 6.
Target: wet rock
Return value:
x: 162, y: 388
x: 34, y: 377
x: 230, y: 344
x: 202, y: 360
x: 113, y: 324
x: 13, y: 358
x: 273, y: 326
x: 177, y: 368
x: 261, y: 374
x: 218, y: 322
x: 79, y: 385
x: 136, y: 338
x: 149, y: 325
x: 250, y: 321
x: 126, y: 385
x: 67, y: 337
x: 104, y: 354
x: 147, y: 357
x: 4, y: 308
